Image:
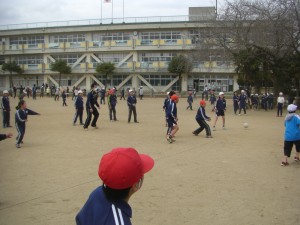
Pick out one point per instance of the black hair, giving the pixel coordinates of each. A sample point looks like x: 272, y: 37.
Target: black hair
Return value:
x: 114, y: 195
x: 93, y: 85
x: 21, y: 102
x: 171, y: 93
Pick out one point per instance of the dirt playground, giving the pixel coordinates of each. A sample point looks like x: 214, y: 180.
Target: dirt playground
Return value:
x: 234, y: 178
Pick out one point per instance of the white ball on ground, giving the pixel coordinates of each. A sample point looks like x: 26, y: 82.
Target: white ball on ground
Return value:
x: 246, y: 125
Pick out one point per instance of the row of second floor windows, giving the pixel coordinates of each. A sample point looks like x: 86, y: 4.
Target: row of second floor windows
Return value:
x: 107, y: 36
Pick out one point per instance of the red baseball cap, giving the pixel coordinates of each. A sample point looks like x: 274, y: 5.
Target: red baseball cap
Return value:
x: 174, y: 97
x: 123, y: 167
x: 202, y: 102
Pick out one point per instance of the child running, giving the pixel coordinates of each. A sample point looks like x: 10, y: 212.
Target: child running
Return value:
x: 172, y: 119
x: 291, y: 134
x: 21, y: 119
x: 220, y: 109
x: 201, y: 118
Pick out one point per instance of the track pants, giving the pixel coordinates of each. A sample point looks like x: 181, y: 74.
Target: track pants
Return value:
x: 89, y: 117
x: 21, y: 132
x: 203, y: 125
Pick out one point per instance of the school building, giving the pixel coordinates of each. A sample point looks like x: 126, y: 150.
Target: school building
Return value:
x: 140, y: 49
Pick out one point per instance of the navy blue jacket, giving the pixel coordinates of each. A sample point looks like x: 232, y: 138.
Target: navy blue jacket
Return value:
x: 201, y: 114
x: 242, y: 100
x: 112, y: 100
x: 5, y: 104
x: 221, y: 104
x: 91, y: 101
x: 166, y: 103
x: 172, y: 110
x: 131, y: 100
x: 190, y: 99
x: 235, y: 99
x: 2, y: 137
x: 78, y: 102
x: 98, y: 210
x: 21, y: 116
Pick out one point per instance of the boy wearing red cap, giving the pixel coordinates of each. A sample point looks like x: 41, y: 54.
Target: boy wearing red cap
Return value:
x: 172, y: 118
x: 200, y: 118
x: 122, y: 172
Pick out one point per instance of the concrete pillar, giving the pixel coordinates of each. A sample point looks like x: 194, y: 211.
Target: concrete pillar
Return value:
x: 134, y: 81
x: 184, y: 82
x: 87, y: 82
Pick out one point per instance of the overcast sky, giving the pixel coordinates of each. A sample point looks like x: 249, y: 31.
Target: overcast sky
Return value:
x: 30, y: 11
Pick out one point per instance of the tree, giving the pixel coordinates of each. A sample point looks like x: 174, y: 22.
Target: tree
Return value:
x: 106, y: 68
x: 180, y: 64
x: 271, y: 29
x: 12, y: 67
x: 62, y: 67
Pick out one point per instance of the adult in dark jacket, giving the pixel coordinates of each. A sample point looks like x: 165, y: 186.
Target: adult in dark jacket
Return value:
x: 91, y: 109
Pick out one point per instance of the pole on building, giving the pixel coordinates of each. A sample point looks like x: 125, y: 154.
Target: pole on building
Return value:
x: 123, y: 11
x: 112, y: 11
x: 101, y: 13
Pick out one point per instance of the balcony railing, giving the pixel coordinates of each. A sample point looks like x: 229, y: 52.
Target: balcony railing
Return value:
x: 127, y: 20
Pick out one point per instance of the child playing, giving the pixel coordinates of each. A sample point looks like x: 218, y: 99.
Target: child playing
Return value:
x: 291, y: 134
x: 220, y: 109
x: 200, y: 118
x: 172, y: 118
x: 190, y: 101
x: 64, y: 98
x: 21, y: 119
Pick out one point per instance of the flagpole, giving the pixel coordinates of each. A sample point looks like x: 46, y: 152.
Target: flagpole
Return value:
x: 112, y: 11
x: 123, y: 11
x: 101, y: 12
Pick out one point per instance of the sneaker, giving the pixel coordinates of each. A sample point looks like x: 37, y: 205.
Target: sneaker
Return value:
x: 194, y: 133
x: 297, y: 159
x: 173, y: 139
x: 284, y: 163
x: 169, y: 139
x: 224, y: 128
x: 85, y: 129
x: 214, y: 128
x: 136, y: 121
x: 209, y: 136
x: 95, y: 127
x: 18, y: 146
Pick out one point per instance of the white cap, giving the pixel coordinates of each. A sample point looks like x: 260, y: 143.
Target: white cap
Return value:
x: 80, y: 92
x: 280, y: 93
x: 168, y: 93
x: 5, y: 92
x: 221, y: 93
x: 130, y: 90
x: 25, y: 92
x: 291, y: 108
x: 242, y: 91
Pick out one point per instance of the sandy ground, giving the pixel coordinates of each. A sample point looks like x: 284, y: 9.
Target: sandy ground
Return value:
x: 233, y: 178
